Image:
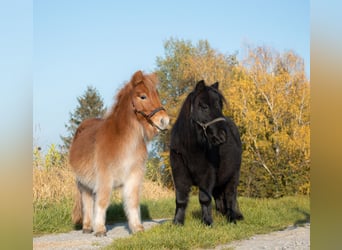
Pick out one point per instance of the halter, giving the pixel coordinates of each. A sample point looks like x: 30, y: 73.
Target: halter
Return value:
x: 206, y: 125
x: 149, y: 116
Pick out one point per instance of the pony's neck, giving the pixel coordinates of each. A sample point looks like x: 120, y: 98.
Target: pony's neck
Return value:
x: 122, y: 118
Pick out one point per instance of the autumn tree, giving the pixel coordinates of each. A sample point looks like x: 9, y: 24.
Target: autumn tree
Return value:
x: 268, y: 97
x: 90, y: 105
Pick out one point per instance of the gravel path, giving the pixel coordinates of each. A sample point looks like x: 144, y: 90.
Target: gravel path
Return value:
x: 77, y: 240
x: 291, y: 238
x: 294, y: 237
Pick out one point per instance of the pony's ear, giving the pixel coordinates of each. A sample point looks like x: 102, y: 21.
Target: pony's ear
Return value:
x: 200, y: 86
x: 215, y: 85
x: 154, y: 78
x: 137, y: 77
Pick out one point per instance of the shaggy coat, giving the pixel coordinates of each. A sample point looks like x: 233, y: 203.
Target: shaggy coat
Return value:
x: 111, y: 152
x: 205, y: 151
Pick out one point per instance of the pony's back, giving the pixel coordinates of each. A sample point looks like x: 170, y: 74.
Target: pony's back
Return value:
x: 83, y: 144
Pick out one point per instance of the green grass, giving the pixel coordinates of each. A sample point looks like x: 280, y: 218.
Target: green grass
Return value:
x: 55, y: 217
x: 261, y: 216
x: 52, y: 217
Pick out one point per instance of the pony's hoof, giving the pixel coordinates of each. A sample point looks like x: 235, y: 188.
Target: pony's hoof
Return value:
x: 87, y: 231
x: 232, y: 218
x: 208, y: 222
x: 178, y: 223
x: 138, y: 228
x: 100, y: 234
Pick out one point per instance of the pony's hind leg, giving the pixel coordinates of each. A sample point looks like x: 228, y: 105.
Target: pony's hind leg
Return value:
x: 102, y: 198
x: 182, y: 182
x: 131, y: 197
x: 87, y: 208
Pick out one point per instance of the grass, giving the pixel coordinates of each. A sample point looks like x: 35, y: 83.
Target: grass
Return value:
x: 52, y: 205
x: 55, y: 217
x: 261, y: 216
x: 53, y: 191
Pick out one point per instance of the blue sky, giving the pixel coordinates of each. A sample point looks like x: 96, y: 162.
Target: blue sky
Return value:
x: 102, y: 43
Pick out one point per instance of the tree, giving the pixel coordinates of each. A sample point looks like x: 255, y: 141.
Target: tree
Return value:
x: 89, y: 105
x: 268, y: 97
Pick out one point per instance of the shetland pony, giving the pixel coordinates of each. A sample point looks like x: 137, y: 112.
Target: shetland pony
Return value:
x: 111, y: 152
x: 205, y: 151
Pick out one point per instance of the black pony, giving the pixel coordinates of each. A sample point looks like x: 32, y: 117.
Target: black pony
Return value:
x: 205, y: 151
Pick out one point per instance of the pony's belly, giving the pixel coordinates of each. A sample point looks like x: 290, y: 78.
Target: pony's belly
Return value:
x: 86, y: 181
x: 123, y: 169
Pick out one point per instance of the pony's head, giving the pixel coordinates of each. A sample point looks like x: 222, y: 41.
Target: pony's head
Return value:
x: 206, y: 114
x: 146, y: 103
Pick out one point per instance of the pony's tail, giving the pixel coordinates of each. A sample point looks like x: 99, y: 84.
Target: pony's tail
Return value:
x: 77, y: 210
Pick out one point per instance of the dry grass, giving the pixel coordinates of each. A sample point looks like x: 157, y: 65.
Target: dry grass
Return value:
x: 57, y: 183
x: 53, y: 184
x: 153, y: 191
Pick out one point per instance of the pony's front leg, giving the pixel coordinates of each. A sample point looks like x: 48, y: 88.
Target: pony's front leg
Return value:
x: 220, y: 202
x: 131, y: 197
x: 102, y: 198
x: 233, y: 211
x: 205, y: 201
x: 182, y: 199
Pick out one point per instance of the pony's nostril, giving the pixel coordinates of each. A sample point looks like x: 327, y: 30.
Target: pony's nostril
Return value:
x: 223, y: 135
x: 164, y: 122
x: 218, y: 138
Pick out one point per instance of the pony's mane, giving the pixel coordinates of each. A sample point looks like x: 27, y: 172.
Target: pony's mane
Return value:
x: 124, y: 96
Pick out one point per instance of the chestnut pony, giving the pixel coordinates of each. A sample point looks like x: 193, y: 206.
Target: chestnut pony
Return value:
x: 111, y: 152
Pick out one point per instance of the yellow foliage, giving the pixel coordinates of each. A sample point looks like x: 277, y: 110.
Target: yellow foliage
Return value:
x: 268, y: 97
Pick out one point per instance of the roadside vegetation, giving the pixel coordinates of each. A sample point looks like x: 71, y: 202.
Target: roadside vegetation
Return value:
x: 52, y: 205
x: 261, y: 216
x: 53, y: 191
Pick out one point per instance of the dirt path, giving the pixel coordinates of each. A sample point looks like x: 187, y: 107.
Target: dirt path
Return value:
x: 77, y: 240
x: 290, y: 238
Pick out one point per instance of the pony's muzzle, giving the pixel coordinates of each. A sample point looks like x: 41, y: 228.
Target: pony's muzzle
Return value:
x: 217, y: 138
x: 160, y: 120
x: 164, y: 122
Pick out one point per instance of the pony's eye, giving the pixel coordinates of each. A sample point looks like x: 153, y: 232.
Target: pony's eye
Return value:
x: 143, y: 97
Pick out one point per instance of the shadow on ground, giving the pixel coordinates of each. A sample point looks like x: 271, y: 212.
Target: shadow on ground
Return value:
x: 116, y: 214
x: 303, y: 221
